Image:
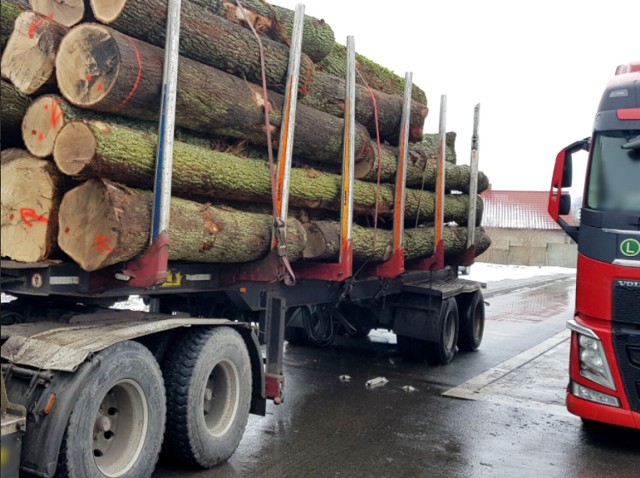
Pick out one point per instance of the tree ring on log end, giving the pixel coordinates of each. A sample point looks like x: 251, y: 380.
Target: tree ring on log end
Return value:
x: 87, y: 225
x: 67, y: 13
x: 87, y: 64
x: 106, y: 11
x: 75, y: 147
x: 42, y: 122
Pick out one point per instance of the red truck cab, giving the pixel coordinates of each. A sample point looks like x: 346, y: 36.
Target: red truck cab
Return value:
x: 604, y: 368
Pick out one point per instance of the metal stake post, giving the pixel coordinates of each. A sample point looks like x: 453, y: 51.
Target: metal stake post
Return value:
x: 395, y: 265
x: 151, y: 268
x: 343, y: 269
x: 470, y: 254
x: 436, y: 262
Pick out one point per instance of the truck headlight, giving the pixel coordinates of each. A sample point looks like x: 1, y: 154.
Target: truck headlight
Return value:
x: 587, y: 393
x: 591, y: 356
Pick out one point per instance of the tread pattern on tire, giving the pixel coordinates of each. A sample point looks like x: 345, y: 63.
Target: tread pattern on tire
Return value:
x: 178, y: 366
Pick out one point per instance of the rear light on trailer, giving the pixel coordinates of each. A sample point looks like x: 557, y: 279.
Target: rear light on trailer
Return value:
x: 628, y: 68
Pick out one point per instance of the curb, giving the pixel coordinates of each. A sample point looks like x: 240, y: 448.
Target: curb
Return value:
x: 526, y: 285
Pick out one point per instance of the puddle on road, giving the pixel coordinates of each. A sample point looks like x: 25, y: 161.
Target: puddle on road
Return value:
x: 532, y: 306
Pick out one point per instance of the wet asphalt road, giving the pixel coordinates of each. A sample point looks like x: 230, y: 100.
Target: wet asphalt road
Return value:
x: 518, y: 428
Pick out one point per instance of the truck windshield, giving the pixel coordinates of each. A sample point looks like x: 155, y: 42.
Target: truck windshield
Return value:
x: 614, y: 175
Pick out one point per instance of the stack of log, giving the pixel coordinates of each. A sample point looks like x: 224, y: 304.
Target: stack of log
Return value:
x: 81, y: 86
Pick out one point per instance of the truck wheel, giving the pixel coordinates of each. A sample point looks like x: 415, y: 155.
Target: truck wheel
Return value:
x: 472, y: 323
x: 442, y: 351
x: 116, y: 425
x: 208, y: 377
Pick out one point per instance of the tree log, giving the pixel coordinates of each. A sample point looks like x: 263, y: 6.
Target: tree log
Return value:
x: 9, y: 11
x: 376, y: 76
x: 31, y: 192
x: 327, y: 94
x: 277, y: 23
x: 104, y: 223
x: 13, y: 107
x: 66, y: 12
x: 204, y: 37
x: 419, y: 163
x: 28, y: 60
x: 323, y: 242
x: 126, y: 155
x: 98, y: 68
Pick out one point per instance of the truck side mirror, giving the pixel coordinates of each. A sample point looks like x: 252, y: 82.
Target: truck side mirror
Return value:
x: 567, y: 172
x: 565, y: 205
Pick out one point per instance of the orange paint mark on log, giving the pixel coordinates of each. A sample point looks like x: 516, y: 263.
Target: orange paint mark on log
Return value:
x: 46, y: 107
x: 11, y: 216
x: 99, y: 87
x: 50, y: 15
x: 35, y: 23
x: 34, y: 132
x: 66, y: 230
x: 56, y: 113
x: 40, y: 136
x: 103, y: 244
x: 29, y: 215
x: 88, y: 77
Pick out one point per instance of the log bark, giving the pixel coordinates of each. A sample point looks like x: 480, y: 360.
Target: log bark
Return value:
x: 277, y: 23
x: 126, y: 155
x: 67, y: 12
x: 31, y: 192
x: 104, y: 223
x: 327, y: 94
x: 323, y: 242
x: 204, y: 37
x: 376, y: 76
x: 9, y: 11
x: 104, y: 70
x: 13, y: 107
x: 28, y: 60
x: 420, y: 163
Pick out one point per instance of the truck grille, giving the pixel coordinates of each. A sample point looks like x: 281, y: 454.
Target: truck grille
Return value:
x: 626, y: 342
x: 626, y: 301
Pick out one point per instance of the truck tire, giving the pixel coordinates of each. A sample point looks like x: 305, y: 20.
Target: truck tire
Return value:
x: 443, y: 350
x: 471, y: 322
x: 116, y: 425
x: 208, y: 377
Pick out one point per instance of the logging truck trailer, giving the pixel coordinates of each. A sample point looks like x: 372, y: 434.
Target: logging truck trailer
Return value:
x: 604, y: 367
x: 92, y: 391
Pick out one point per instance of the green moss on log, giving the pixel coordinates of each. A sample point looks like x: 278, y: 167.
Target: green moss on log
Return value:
x: 9, y: 11
x: 277, y: 23
x: 13, y: 106
x: 128, y: 156
x: 104, y: 223
x: 376, y: 76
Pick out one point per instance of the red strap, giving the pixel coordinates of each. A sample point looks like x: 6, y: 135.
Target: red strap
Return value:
x: 278, y: 231
x: 375, y: 115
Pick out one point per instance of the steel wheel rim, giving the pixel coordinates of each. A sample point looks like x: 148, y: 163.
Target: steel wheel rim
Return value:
x: 221, y: 398
x: 120, y: 428
x: 449, y: 331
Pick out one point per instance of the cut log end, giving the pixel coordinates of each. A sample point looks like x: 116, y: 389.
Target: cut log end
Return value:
x: 67, y: 12
x: 42, y: 122
x: 106, y: 11
x: 29, y: 58
x: 28, y: 203
x: 87, y: 64
x: 88, y: 204
x: 75, y: 147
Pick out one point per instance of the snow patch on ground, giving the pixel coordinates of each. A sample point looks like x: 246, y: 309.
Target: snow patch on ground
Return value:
x: 485, y: 272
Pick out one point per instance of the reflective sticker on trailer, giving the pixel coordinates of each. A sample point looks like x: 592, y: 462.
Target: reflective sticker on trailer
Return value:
x: 64, y: 280
x: 173, y: 279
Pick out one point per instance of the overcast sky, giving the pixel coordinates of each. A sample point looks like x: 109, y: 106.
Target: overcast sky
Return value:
x: 537, y: 68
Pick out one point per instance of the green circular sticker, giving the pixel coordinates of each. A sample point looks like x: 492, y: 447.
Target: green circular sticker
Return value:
x: 630, y: 247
